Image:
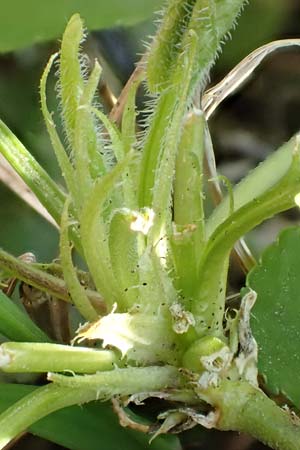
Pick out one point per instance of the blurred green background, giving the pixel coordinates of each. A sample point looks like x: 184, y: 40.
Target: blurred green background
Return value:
x: 248, y: 126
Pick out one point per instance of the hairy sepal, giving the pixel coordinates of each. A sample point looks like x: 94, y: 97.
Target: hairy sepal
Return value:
x: 208, y: 23
x: 85, y: 138
x: 188, y: 232
x: 210, y: 19
x: 166, y: 44
x: 123, y: 249
x: 71, y: 79
x: 94, y: 233
x: 119, y: 151
x: 157, y: 185
x: 59, y: 150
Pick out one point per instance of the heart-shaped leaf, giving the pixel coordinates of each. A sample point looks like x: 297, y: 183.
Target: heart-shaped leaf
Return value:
x: 276, y: 315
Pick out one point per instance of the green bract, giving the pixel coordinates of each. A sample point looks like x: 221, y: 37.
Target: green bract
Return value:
x: 134, y: 210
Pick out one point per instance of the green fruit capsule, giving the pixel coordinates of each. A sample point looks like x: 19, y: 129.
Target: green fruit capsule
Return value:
x: 202, y: 347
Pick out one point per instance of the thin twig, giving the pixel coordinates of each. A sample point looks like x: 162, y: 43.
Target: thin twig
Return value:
x: 44, y: 281
x: 115, y: 114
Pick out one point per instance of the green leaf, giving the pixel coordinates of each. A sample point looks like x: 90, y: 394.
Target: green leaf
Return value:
x: 25, y: 23
x: 276, y: 314
x: 89, y: 427
x: 16, y: 325
x: 46, y: 190
x: 36, y: 178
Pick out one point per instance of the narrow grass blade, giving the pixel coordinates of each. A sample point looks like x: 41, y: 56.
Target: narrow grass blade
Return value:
x: 16, y: 325
x: 36, y: 178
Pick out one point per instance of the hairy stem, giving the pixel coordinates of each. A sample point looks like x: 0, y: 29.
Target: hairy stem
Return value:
x: 247, y: 409
x: 123, y: 381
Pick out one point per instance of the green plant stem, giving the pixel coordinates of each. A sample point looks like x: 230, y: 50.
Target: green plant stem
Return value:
x: 36, y: 405
x: 44, y: 281
x: 264, y: 177
x: 247, y: 409
x: 276, y: 197
x: 123, y: 381
x: 35, y: 357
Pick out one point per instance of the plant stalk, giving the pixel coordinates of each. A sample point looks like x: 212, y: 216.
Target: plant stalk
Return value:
x: 245, y: 408
x: 43, y: 357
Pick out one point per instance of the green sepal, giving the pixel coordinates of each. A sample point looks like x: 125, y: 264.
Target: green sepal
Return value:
x: 208, y: 23
x: 188, y: 236
x: 76, y: 290
x: 123, y: 249
x: 127, y: 197
x: 70, y: 74
x: 209, y: 19
x: 166, y: 44
x: 60, y: 153
x: 94, y: 233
